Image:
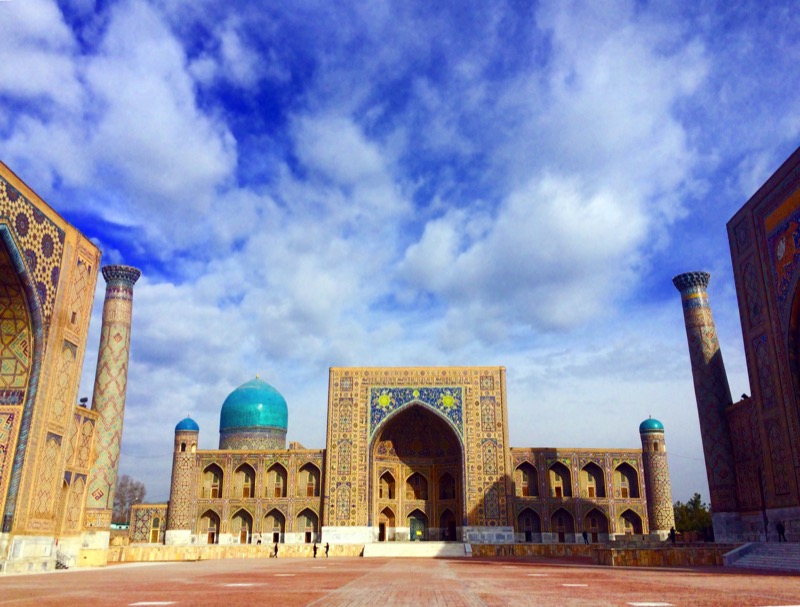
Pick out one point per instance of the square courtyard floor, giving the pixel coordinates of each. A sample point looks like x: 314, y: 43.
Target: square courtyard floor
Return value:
x: 387, y: 582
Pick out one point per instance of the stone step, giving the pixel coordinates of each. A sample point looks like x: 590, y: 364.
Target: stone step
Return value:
x: 417, y: 549
x: 781, y: 556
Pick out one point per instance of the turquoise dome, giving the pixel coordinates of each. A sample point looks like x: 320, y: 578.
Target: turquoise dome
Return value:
x: 252, y: 405
x: 187, y: 423
x: 651, y: 425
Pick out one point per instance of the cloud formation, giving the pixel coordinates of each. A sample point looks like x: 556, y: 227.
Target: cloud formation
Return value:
x: 403, y: 184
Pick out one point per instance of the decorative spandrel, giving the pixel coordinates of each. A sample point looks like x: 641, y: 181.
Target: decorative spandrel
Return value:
x: 448, y: 400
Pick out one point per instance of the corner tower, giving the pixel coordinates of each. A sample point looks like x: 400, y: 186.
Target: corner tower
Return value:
x: 656, y: 477
x: 713, y: 395
x: 110, y: 385
x: 182, y: 495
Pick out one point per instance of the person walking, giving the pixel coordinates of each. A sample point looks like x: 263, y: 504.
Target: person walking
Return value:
x: 275, y: 552
x: 315, y: 549
x: 327, y: 547
x: 781, y: 531
x: 585, y: 537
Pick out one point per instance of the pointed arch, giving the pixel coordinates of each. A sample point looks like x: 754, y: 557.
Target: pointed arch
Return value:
x: 212, y: 481
x: 275, y: 525
x: 307, y: 523
x: 630, y: 523
x: 416, y: 487
x: 242, y: 525
x: 626, y: 481
x: 595, y: 523
x: 386, y: 486
x: 417, y: 525
x: 447, y: 487
x: 526, y: 480
x: 592, y: 481
x: 309, y: 482
x: 529, y: 523
x: 563, y: 524
x: 447, y: 525
x: 244, y: 481
x: 560, y: 480
x: 36, y: 325
x: 277, y: 480
x: 209, y: 526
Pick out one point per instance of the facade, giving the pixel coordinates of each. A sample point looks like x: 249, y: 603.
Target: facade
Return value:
x: 58, y: 459
x: 411, y: 454
x: 752, y: 446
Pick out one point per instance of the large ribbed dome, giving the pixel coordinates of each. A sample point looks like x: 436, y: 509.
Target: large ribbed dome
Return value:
x: 254, y: 416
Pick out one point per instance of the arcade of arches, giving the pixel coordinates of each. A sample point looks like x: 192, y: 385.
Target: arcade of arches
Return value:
x: 417, y: 454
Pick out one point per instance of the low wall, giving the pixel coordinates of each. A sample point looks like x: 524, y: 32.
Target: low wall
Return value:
x: 543, y: 550
x: 159, y: 552
x: 705, y: 555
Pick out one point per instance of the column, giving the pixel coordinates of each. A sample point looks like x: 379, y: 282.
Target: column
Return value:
x: 108, y: 400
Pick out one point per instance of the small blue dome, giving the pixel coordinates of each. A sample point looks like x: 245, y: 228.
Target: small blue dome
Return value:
x: 187, y: 423
x: 254, y: 404
x: 651, y: 425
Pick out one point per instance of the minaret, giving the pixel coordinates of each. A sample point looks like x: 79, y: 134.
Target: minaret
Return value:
x: 712, y: 393
x: 658, y: 488
x: 182, y: 493
x: 108, y: 400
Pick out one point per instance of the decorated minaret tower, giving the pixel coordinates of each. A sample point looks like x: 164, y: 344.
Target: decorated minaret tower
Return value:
x: 183, y: 496
x: 713, y: 396
x: 108, y: 400
x: 656, y: 477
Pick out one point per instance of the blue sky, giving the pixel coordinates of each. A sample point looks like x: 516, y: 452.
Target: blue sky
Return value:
x: 319, y: 184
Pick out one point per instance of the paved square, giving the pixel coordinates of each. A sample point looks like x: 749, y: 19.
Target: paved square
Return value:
x: 387, y: 582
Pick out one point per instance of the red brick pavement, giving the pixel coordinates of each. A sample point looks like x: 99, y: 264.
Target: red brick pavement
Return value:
x: 396, y: 582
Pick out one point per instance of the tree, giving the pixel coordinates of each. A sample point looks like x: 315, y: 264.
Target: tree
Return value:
x: 128, y: 493
x: 694, y: 515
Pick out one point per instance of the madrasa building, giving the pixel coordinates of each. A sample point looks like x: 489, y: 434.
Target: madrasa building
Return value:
x: 58, y: 457
x: 411, y: 454
x: 752, y: 445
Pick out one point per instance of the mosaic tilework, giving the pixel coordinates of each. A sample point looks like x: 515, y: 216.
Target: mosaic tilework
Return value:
x: 16, y: 347
x: 746, y: 439
x: 755, y: 306
x: 8, y: 434
x: 64, y: 381
x: 142, y: 516
x: 48, y: 473
x: 765, y: 377
x: 72, y: 516
x: 777, y: 453
x: 40, y: 240
x: 253, y: 440
x: 384, y: 400
x: 711, y: 388
x: 783, y: 244
x: 657, y: 483
x: 182, y: 490
x: 360, y: 401
x: 111, y: 383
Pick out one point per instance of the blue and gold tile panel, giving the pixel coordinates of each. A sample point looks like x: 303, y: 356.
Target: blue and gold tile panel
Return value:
x: 448, y: 400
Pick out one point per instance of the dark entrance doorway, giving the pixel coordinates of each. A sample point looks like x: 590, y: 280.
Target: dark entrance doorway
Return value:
x: 417, y: 526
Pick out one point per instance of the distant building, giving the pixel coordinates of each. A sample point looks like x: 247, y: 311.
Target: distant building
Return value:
x: 752, y: 446
x: 58, y: 459
x: 411, y: 454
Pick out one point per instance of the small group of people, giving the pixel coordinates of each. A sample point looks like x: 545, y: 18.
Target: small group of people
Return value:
x: 327, y: 547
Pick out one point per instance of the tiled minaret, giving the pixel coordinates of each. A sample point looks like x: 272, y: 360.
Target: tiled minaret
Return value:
x: 711, y: 391
x: 108, y: 400
x: 658, y: 487
x: 183, y: 498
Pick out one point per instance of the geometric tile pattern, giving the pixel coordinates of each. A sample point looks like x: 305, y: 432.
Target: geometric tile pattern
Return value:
x: 711, y: 388
x: 360, y: 401
x: 657, y: 482
x: 45, y: 485
x: 40, y: 241
x: 142, y: 517
x: 15, y: 335
x: 8, y: 433
x: 183, y: 487
x: 111, y: 384
x: 544, y: 503
x: 66, y: 375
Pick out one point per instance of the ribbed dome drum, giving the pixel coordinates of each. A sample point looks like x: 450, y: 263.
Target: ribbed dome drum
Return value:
x: 253, y: 417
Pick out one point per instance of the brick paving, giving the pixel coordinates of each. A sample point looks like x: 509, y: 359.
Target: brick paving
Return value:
x: 381, y: 582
